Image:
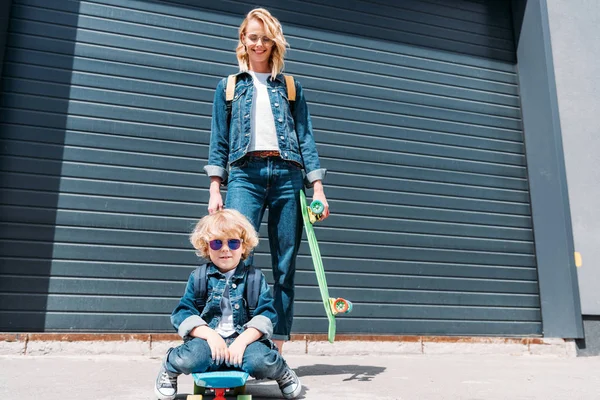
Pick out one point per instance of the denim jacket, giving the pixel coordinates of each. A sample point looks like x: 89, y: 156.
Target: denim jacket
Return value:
x: 294, y: 129
x: 186, y: 315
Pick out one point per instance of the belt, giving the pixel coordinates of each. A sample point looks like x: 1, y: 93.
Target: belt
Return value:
x: 264, y: 153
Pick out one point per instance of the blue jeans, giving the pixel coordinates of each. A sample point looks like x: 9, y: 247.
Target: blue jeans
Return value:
x: 259, y: 361
x: 255, y: 184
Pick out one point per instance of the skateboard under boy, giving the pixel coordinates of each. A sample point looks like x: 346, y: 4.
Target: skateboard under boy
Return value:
x: 333, y: 306
x: 220, y: 382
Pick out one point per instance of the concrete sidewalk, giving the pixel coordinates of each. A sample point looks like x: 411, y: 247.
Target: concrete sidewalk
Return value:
x: 400, y: 376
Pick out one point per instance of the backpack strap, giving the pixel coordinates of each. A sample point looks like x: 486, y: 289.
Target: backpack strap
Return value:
x: 291, y: 87
x: 230, y: 90
x: 200, y: 286
x: 252, y: 289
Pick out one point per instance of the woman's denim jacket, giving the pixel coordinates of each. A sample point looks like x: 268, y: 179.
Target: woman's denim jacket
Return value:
x: 186, y: 315
x: 294, y: 128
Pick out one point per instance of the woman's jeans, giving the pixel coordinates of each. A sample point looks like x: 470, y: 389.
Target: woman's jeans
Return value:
x: 260, y: 360
x: 255, y: 184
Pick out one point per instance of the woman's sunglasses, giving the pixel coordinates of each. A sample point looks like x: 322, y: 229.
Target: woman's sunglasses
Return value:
x: 233, y: 244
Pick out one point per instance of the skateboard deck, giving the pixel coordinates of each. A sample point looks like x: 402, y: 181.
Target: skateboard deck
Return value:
x: 220, y: 382
x: 333, y: 306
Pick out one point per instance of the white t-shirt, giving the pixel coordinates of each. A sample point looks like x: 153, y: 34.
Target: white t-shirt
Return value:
x: 263, y: 133
x: 225, y: 327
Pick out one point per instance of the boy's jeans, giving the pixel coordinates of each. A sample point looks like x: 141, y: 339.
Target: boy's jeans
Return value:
x: 260, y: 360
x: 255, y: 184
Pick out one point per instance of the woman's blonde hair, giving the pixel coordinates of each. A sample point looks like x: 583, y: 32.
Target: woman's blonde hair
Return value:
x: 273, y: 30
x: 223, y: 224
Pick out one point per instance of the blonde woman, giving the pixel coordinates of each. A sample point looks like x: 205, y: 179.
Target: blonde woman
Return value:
x: 262, y: 148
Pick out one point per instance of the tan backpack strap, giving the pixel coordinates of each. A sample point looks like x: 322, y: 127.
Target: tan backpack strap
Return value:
x: 230, y: 90
x: 291, y: 87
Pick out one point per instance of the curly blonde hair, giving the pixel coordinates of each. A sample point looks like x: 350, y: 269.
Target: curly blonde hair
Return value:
x: 274, y: 31
x: 223, y: 224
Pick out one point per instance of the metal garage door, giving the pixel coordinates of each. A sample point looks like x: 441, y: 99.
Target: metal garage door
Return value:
x: 105, y: 124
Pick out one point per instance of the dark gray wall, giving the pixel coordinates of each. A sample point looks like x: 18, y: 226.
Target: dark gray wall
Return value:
x: 105, y: 128
x: 561, y: 312
x: 32, y: 140
x: 4, y: 19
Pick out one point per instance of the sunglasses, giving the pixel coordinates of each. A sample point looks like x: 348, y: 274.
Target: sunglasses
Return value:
x: 233, y: 244
x: 265, y: 40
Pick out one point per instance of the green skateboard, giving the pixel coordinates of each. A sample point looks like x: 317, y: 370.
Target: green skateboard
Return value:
x: 333, y: 306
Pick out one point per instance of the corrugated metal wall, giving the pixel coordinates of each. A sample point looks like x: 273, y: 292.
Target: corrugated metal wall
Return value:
x: 105, y: 126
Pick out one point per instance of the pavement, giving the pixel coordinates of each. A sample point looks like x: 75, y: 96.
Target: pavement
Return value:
x: 398, y: 376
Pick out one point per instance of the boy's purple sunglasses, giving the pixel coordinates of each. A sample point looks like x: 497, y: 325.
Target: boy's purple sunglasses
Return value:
x: 233, y: 244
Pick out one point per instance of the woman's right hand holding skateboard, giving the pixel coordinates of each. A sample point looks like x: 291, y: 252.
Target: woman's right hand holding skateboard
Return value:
x: 319, y: 194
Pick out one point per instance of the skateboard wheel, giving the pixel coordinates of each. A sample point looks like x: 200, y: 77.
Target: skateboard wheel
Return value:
x: 194, y: 397
x: 349, y: 306
x: 239, y: 390
x: 198, y: 390
x: 342, y: 306
x: 317, y: 207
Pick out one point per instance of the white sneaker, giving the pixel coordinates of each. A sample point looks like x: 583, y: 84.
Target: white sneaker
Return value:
x: 165, y: 387
x: 289, y: 384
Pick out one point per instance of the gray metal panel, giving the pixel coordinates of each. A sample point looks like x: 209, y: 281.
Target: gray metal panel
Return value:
x: 559, y: 290
x: 572, y: 26
x: 105, y: 128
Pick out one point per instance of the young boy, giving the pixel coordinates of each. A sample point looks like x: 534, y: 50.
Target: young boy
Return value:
x: 223, y: 333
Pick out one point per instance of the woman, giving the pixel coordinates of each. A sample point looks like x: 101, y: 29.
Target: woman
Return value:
x: 268, y: 143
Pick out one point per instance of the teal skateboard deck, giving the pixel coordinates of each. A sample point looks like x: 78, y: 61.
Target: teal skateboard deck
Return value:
x: 220, y: 382
x: 333, y: 306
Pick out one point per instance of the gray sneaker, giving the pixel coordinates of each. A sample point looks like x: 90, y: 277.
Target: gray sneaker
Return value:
x: 289, y: 384
x: 165, y: 387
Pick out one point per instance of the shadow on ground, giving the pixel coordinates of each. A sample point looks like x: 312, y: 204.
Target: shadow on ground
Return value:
x: 270, y: 390
x: 356, y: 372
x: 267, y: 389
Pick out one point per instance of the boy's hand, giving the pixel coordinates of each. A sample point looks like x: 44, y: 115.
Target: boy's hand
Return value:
x: 236, y: 353
x: 218, y: 348
x: 238, y: 347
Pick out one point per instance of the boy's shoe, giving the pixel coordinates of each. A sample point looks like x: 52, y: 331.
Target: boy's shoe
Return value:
x: 289, y: 384
x: 165, y: 387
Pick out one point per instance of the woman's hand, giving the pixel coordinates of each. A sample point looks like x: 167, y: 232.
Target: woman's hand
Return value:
x: 215, y: 201
x: 319, y: 194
